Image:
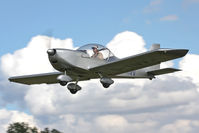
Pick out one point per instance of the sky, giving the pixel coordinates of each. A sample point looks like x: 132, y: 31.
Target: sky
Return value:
x: 169, y: 103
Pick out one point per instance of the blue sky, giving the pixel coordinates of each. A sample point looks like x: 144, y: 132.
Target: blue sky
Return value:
x: 99, y: 21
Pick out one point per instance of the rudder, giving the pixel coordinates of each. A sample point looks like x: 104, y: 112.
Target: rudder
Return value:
x: 154, y: 47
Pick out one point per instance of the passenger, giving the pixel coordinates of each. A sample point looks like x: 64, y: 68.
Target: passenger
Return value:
x: 97, y: 54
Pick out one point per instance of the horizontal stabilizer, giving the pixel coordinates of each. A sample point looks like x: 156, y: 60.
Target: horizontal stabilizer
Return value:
x: 163, y: 71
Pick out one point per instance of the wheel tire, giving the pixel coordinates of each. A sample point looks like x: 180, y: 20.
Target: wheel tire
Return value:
x: 63, y: 83
x: 73, y: 91
x: 106, y: 85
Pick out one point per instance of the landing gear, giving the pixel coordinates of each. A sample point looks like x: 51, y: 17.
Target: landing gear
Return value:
x: 73, y: 88
x: 106, y: 82
x: 73, y: 91
x: 106, y: 85
x: 63, y: 83
x: 63, y: 79
x: 152, y: 77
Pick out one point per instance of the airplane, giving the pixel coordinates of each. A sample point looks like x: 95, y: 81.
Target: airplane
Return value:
x: 95, y: 61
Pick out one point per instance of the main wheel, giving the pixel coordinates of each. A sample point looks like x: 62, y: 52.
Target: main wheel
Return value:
x: 73, y: 88
x: 63, y: 83
x: 106, y: 85
x: 73, y: 91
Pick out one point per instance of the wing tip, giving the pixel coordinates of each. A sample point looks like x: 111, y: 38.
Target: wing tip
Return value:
x: 185, y: 51
x: 10, y: 79
x: 177, y: 52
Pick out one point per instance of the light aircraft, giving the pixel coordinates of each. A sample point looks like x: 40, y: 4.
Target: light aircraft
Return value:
x: 93, y: 61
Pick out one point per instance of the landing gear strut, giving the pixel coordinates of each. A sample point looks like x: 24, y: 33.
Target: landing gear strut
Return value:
x: 106, y: 82
x: 73, y: 87
x: 151, y: 77
x: 63, y: 79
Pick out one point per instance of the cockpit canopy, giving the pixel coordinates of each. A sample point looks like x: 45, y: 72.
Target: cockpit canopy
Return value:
x: 88, y: 49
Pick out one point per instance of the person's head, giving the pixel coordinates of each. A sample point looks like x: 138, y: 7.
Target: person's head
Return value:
x: 95, y: 50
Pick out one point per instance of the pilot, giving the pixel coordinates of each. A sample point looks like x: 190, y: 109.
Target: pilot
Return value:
x: 96, y: 52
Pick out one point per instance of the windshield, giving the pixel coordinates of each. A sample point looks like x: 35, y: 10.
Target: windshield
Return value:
x: 96, y: 51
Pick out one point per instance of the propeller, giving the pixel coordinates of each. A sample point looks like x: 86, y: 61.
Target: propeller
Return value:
x: 50, y: 50
x: 49, y: 34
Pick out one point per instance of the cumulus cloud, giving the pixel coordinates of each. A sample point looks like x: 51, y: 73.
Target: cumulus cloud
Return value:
x: 190, y: 70
x: 167, y: 64
x: 29, y: 60
x: 112, y: 123
x: 127, y: 43
x: 127, y: 106
x: 181, y: 126
x: 33, y: 58
x: 169, y: 18
x: 8, y: 117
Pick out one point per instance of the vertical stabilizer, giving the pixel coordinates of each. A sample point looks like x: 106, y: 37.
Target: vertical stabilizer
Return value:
x: 154, y: 47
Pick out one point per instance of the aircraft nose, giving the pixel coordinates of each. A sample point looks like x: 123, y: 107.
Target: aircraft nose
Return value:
x: 51, y: 52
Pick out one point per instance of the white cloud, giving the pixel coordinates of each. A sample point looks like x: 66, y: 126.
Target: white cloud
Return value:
x: 127, y: 106
x: 190, y: 70
x: 43, y: 101
x: 169, y: 18
x: 127, y: 43
x: 181, y: 126
x: 112, y: 123
x: 167, y: 64
x: 189, y: 65
x: 8, y: 117
x: 32, y: 59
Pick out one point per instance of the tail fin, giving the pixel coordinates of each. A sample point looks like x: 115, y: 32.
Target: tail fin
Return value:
x: 155, y: 67
x: 155, y: 46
